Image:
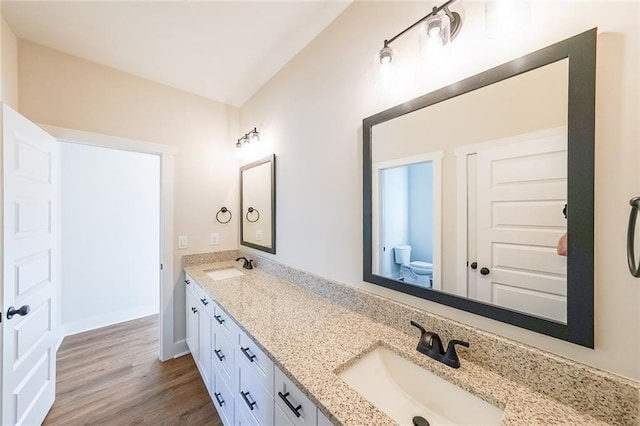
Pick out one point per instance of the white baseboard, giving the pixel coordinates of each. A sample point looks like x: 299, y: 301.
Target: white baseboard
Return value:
x: 99, y: 321
x: 180, y: 348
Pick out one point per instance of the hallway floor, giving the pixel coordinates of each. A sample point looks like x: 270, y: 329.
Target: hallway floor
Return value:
x: 112, y: 376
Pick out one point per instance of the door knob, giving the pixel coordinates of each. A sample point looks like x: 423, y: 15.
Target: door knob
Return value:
x: 474, y: 265
x: 24, y: 310
x: 485, y: 271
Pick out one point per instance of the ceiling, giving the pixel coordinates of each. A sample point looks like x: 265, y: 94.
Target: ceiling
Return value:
x: 221, y: 50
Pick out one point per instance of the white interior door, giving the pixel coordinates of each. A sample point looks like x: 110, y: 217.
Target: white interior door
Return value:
x: 31, y: 257
x: 521, y: 194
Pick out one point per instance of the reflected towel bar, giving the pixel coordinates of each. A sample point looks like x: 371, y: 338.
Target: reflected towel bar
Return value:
x: 252, y: 210
x: 634, y: 268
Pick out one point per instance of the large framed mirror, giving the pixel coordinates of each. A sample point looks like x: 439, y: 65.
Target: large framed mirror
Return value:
x: 258, y: 204
x: 480, y: 195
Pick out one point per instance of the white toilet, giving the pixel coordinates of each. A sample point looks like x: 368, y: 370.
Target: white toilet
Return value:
x: 416, y: 272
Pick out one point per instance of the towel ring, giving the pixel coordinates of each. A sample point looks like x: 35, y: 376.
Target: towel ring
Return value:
x: 223, y: 210
x: 634, y: 268
x: 252, y: 210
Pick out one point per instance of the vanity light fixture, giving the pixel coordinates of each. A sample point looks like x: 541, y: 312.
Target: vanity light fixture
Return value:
x: 438, y: 28
x: 252, y: 136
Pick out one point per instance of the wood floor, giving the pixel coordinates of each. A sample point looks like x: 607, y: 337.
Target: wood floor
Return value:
x: 112, y: 376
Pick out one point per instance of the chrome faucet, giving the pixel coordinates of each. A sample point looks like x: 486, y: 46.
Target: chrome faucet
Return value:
x: 248, y: 264
x: 431, y: 345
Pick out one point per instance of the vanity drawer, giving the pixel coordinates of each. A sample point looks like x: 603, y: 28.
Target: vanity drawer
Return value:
x: 223, y: 400
x: 295, y: 404
x: 225, y: 324
x: 252, y: 396
x: 254, y: 359
x: 223, y: 357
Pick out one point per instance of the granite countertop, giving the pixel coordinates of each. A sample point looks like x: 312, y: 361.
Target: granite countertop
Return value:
x: 311, y: 339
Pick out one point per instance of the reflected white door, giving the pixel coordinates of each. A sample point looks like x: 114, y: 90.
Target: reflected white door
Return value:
x: 521, y: 195
x: 31, y: 252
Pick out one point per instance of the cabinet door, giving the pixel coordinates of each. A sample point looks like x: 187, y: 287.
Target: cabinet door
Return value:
x: 223, y: 399
x: 295, y: 404
x: 192, y: 324
x: 204, y: 345
x: 223, y: 357
x: 257, y: 401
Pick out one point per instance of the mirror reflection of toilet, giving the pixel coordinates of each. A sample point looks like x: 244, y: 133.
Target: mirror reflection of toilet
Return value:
x: 416, y: 272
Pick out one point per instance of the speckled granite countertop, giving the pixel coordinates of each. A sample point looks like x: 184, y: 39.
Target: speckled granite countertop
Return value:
x: 310, y: 339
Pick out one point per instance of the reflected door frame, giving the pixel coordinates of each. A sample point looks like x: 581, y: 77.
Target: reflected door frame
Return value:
x: 377, y: 214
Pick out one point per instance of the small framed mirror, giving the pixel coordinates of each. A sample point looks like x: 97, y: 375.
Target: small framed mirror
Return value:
x: 258, y: 204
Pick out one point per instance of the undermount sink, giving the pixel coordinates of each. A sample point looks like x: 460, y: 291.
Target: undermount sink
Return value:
x: 222, y: 274
x: 404, y: 390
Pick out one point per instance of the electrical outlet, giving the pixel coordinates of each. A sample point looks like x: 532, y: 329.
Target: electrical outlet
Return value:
x: 214, y: 240
x: 258, y: 235
x: 183, y: 242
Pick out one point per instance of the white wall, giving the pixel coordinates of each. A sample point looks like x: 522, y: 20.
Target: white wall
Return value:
x: 8, y: 65
x: 61, y: 90
x: 312, y: 112
x: 110, y: 225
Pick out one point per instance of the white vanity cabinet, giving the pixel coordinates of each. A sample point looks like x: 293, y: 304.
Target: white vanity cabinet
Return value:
x: 199, y: 329
x: 245, y: 386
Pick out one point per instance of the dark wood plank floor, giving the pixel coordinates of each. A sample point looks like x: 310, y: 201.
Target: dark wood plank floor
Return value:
x: 112, y: 376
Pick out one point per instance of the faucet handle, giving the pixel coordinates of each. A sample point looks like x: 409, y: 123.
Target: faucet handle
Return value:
x: 429, y: 341
x: 451, y: 356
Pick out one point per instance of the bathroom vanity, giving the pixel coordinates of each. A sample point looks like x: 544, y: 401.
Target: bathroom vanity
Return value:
x: 268, y: 348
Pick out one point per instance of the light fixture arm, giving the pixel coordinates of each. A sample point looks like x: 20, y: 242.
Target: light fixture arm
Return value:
x: 434, y: 12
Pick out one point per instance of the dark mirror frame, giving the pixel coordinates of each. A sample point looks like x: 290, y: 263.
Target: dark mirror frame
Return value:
x: 581, y: 52
x: 270, y: 159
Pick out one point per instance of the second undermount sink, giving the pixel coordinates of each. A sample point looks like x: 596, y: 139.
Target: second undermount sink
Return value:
x: 404, y: 390
x: 221, y: 274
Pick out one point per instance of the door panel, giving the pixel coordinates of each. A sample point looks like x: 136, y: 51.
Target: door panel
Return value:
x: 31, y: 256
x: 520, y: 201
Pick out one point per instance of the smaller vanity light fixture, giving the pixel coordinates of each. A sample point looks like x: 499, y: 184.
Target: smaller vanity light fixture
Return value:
x: 436, y: 28
x: 250, y: 137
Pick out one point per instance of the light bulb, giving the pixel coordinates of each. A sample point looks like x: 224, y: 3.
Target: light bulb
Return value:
x: 255, y: 136
x: 385, y: 55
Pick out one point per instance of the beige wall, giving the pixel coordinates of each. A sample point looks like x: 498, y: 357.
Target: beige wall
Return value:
x: 312, y: 113
x: 61, y: 90
x: 8, y: 65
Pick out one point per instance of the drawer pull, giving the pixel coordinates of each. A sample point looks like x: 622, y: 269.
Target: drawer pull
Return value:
x: 296, y: 410
x: 218, y: 318
x: 246, y: 400
x: 218, y: 352
x: 245, y: 351
x: 220, y: 400
x: 187, y: 282
x: 194, y: 310
x: 204, y: 301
